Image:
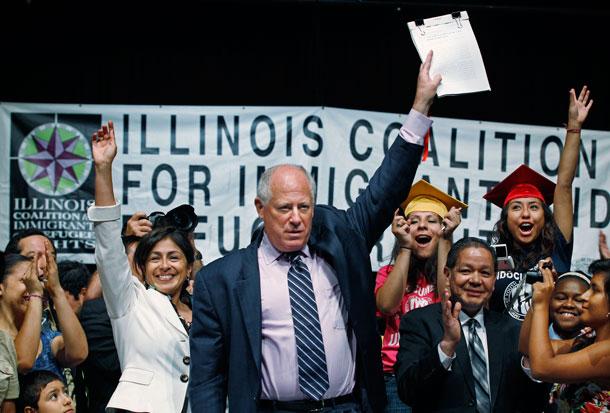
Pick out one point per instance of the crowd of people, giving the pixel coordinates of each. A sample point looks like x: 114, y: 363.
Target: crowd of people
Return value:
x: 297, y: 321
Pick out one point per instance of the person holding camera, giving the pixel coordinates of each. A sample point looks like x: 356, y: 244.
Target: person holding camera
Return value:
x: 182, y: 217
x: 528, y: 227
x: 151, y: 322
x: 580, y: 365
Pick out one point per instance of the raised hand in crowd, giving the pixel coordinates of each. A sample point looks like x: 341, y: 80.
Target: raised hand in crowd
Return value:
x: 70, y: 348
x: 138, y: 225
x: 451, y: 324
x: 390, y: 294
x: 604, y: 251
x: 27, y: 333
x: 94, y: 289
x: 563, y: 211
x: 426, y: 86
x: 579, y: 108
x: 451, y: 221
x: 104, y: 150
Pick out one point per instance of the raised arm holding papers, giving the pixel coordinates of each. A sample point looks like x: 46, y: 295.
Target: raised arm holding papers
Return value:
x: 456, y: 53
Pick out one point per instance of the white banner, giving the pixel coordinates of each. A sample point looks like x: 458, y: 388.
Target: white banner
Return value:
x: 210, y: 157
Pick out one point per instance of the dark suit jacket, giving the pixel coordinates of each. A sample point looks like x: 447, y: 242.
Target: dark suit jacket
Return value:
x: 101, y: 368
x: 425, y: 385
x: 226, y: 333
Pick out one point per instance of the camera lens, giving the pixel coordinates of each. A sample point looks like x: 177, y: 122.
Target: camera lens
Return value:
x: 183, y: 218
x: 157, y: 219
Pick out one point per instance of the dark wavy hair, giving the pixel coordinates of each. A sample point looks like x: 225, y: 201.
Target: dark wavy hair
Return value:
x: 543, y: 246
x: 13, y: 245
x: 469, y: 242
x: 73, y: 276
x: 148, y: 242
x: 10, y: 262
x: 30, y: 387
x: 418, y: 266
x: 602, y: 266
x: 584, y: 340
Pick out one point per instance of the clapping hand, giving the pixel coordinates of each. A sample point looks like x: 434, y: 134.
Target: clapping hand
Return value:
x: 30, y: 278
x: 451, y: 324
x: 51, y: 274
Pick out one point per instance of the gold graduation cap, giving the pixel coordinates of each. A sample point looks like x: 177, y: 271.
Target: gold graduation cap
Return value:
x: 425, y: 197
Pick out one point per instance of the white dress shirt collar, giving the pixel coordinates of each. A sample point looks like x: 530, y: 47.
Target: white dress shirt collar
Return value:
x: 270, y: 253
x: 478, y: 316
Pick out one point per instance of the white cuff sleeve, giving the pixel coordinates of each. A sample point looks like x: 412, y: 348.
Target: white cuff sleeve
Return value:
x: 528, y: 372
x: 446, y: 361
x: 104, y: 213
x: 415, y: 128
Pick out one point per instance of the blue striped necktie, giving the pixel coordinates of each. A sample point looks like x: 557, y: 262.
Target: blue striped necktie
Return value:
x: 313, y: 373
x: 479, y: 367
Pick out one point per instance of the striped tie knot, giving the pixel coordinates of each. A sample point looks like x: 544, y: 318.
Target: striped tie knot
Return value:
x: 291, y: 256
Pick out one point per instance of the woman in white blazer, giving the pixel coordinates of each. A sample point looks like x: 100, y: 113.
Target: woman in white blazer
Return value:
x: 150, y: 322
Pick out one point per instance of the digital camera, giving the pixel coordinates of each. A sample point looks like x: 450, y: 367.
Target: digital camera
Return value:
x: 182, y: 217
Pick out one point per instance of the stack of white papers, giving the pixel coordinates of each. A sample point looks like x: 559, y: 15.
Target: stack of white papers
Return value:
x: 456, y: 58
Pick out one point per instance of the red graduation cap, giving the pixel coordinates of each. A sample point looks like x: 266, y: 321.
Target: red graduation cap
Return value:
x: 524, y: 182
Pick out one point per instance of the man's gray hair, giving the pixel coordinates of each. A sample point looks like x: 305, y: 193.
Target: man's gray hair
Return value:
x: 263, y: 191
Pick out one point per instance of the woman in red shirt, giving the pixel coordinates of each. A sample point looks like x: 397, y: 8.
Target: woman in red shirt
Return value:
x: 430, y: 217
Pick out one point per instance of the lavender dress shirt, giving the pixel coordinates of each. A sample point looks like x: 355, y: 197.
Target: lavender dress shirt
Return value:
x: 280, y: 374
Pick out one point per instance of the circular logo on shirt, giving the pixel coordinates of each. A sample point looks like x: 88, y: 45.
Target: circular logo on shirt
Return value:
x: 521, y: 305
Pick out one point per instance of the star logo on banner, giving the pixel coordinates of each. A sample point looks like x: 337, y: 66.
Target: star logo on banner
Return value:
x: 55, y: 159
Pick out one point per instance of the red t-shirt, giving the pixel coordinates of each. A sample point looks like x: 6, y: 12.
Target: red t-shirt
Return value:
x: 421, y: 296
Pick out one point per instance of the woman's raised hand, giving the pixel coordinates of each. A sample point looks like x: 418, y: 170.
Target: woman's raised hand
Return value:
x: 579, y: 108
x: 401, y: 230
x: 30, y: 278
x: 51, y: 274
x: 104, y: 146
x: 452, y: 220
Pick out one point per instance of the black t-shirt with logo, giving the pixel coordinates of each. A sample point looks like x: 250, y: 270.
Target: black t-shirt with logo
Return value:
x: 507, y: 282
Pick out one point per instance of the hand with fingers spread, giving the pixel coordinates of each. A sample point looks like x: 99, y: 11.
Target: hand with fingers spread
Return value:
x: 426, y: 87
x: 452, y: 220
x: 401, y: 230
x: 604, y: 251
x: 579, y: 108
x: 451, y: 324
x: 138, y: 225
x: 543, y: 291
x: 32, y: 283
